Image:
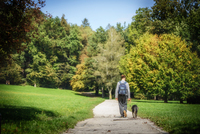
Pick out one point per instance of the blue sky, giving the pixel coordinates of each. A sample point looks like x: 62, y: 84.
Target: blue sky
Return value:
x: 98, y: 12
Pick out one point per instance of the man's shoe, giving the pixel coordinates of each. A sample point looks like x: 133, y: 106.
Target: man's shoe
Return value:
x: 125, y: 115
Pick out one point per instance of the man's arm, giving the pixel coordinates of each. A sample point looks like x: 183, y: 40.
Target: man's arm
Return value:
x: 116, y: 91
x: 129, y: 96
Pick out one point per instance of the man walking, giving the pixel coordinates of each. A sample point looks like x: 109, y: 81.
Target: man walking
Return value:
x: 122, y: 92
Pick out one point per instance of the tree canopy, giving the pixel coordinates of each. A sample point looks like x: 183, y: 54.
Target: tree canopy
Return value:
x: 85, y: 22
x: 16, y: 20
x: 158, y: 52
x: 108, y: 58
x: 162, y: 65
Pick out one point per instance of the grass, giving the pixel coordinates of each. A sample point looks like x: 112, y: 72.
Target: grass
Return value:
x: 26, y: 109
x: 173, y: 117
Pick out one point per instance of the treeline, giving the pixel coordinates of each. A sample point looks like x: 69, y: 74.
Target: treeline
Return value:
x: 158, y: 52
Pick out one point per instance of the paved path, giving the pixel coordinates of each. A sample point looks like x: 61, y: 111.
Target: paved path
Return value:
x: 107, y: 121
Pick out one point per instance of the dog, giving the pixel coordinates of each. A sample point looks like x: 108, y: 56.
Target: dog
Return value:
x: 134, y: 111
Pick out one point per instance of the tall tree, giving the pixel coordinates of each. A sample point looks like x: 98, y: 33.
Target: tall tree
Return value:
x: 83, y: 79
x: 119, y: 28
x: 16, y: 20
x: 168, y: 16
x: 108, y: 58
x: 173, y: 9
x: 175, y: 16
x: 12, y: 73
x: 52, y: 55
x: 77, y: 81
x: 141, y: 23
x: 65, y: 24
x: 162, y: 65
x: 124, y: 31
x: 101, y: 35
x: 41, y: 72
x: 85, y: 22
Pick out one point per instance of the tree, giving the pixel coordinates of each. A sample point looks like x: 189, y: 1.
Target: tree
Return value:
x: 85, y: 22
x: 52, y: 54
x: 194, y: 26
x: 108, y: 27
x: 77, y: 81
x: 172, y: 15
x: 141, y: 23
x: 173, y: 9
x: 12, y: 72
x: 108, y: 58
x: 124, y: 31
x: 16, y: 20
x: 41, y: 72
x: 165, y: 17
x: 119, y: 28
x: 84, y: 80
x: 162, y: 65
x: 86, y: 34
x: 65, y: 24
x: 101, y: 35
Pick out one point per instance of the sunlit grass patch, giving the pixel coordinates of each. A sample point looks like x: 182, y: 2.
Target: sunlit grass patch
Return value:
x: 26, y: 109
x: 172, y: 116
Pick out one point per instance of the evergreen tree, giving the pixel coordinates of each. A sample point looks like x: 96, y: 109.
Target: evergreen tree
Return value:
x: 101, y: 35
x: 85, y: 22
x: 65, y: 24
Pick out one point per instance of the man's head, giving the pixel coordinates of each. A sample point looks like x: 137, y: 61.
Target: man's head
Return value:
x: 123, y: 77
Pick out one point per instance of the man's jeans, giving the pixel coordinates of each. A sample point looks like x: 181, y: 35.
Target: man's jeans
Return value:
x: 122, y: 100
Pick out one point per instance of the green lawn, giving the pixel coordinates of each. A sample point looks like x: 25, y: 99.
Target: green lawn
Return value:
x: 173, y: 117
x: 26, y: 109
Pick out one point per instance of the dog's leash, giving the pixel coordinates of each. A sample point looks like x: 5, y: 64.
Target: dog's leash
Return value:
x: 129, y: 102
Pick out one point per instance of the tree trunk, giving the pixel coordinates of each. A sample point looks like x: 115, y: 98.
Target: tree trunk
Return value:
x: 110, y: 94
x: 103, y: 95
x: 165, y: 99
x: 155, y: 97
x: 96, y: 89
x: 97, y: 92
x: 34, y: 84
x: 181, y: 101
x: 165, y: 96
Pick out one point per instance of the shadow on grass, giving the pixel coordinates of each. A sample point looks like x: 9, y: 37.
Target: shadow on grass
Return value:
x: 17, y: 114
x: 89, y: 94
x: 186, y: 128
x: 157, y: 101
